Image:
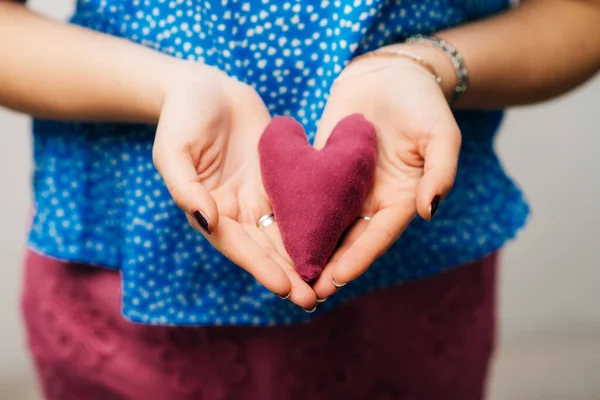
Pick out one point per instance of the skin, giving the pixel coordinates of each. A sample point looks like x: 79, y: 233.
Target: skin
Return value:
x: 208, y: 127
x: 530, y: 54
x: 418, y: 146
x: 519, y: 57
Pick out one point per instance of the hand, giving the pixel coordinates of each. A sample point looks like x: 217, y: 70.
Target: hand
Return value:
x: 206, y: 150
x: 418, y: 146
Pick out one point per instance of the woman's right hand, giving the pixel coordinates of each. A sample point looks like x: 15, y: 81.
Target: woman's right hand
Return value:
x: 206, y: 150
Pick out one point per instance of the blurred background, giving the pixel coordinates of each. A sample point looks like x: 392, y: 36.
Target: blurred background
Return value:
x: 550, y: 278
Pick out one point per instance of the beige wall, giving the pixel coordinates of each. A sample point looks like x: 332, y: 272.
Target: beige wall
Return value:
x: 550, y: 286
x: 551, y: 276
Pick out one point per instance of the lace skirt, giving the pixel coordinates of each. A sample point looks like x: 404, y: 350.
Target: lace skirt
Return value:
x: 429, y: 339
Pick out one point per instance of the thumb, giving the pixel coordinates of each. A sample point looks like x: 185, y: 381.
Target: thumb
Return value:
x: 179, y: 173
x: 441, y: 160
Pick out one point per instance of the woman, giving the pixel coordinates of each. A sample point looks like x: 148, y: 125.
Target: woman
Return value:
x: 98, y: 87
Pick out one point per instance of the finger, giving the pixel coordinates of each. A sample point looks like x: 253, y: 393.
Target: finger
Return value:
x: 381, y: 232
x: 301, y: 293
x: 273, y: 233
x: 441, y: 160
x: 173, y: 158
x: 233, y: 241
x: 179, y: 174
x: 269, y: 237
x: 324, y: 286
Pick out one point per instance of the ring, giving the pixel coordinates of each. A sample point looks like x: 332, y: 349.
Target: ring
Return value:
x: 365, y: 217
x: 265, y: 220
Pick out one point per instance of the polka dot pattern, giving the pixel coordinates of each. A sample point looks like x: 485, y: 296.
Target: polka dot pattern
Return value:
x: 99, y: 199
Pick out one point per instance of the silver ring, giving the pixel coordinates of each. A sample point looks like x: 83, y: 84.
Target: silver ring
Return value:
x: 265, y: 220
x: 365, y: 217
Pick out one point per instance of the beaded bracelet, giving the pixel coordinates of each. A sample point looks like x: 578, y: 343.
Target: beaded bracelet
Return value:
x: 399, y: 54
x: 462, y: 74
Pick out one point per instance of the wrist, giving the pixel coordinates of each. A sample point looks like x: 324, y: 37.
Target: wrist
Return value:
x: 176, y: 75
x: 373, y: 73
x: 438, y: 60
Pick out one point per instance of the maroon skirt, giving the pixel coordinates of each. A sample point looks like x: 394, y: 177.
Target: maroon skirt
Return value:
x: 428, y: 340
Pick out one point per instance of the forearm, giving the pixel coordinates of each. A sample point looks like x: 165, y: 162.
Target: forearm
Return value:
x: 529, y: 54
x: 53, y: 70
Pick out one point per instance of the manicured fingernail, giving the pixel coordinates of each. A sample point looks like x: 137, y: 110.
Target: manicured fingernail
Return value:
x: 338, y: 285
x: 433, y: 207
x: 311, y: 310
x: 202, y: 220
x: 322, y: 300
x: 286, y: 296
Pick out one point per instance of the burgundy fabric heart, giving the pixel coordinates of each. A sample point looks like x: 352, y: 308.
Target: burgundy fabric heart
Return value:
x: 316, y: 195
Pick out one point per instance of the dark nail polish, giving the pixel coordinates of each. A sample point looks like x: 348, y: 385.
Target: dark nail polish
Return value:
x: 202, y: 220
x: 434, y: 206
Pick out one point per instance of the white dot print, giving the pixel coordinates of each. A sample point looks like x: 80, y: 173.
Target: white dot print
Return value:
x: 99, y: 199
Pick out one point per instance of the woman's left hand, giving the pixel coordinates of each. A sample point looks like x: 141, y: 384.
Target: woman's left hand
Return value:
x: 418, y: 147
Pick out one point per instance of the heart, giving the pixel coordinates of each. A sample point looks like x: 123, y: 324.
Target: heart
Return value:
x: 316, y: 194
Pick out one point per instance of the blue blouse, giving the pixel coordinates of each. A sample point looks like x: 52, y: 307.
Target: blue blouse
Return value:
x: 99, y: 199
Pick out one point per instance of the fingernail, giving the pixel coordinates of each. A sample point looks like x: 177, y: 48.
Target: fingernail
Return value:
x: 433, y: 207
x: 202, y: 220
x: 311, y: 310
x: 338, y: 285
x: 322, y: 300
x: 285, y: 297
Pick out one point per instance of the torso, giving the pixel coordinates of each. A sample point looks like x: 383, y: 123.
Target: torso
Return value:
x: 100, y: 201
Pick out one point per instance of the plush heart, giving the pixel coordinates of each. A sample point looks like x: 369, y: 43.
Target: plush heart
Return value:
x: 316, y: 194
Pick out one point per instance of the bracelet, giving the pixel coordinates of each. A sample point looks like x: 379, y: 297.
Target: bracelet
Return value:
x: 462, y: 74
x: 393, y: 54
